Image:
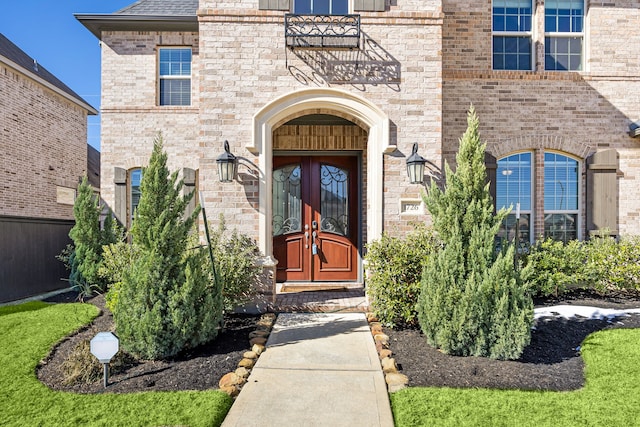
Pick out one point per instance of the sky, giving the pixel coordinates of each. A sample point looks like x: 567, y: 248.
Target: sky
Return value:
x: 47, y: 31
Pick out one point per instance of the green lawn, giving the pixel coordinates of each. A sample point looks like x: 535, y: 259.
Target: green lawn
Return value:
x: 27, y: 333
x: 611, y: 396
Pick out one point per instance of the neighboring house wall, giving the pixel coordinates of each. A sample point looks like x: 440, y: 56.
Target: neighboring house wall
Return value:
x: 43, y: 154
x: 43, y: 145
x: 576, y: 113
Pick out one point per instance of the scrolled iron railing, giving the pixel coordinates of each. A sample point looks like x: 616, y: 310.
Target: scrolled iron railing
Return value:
x: 322, y: 31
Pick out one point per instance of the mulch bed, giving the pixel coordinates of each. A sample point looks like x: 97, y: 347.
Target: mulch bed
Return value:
x: 550, y: 362
x: 198, y: 369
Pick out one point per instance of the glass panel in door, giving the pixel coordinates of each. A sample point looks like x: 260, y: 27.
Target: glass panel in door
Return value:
x: 334, y: 200
x: 287, y: 200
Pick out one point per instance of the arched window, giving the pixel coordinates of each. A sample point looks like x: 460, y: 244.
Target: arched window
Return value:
x: 514, y: 178
x: 561, y: 195
x: 135, y: 177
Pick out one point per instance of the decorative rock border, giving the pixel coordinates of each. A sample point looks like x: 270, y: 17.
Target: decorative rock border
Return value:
x: 232, y: 382
x: 394, y: 379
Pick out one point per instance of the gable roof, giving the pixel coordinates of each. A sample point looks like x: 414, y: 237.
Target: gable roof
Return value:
x: 15, y: 57
x: 145, y: 15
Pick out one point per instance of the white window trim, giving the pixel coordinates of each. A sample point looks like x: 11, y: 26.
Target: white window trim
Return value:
x: 171, y: 77
x: 531, y: 211
x: 559, y: 34
x: 516, y: 34
x: 578, y: 212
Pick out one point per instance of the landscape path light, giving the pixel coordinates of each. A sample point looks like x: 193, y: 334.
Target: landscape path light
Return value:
x: 104, y: 346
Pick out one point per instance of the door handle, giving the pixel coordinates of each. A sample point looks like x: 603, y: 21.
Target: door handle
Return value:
x: 306, y: 240
x: 314, y: 247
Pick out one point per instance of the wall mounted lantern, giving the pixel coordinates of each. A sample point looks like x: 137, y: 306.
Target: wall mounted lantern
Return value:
x: 634, y: 130
x: 226, y: 164
x: 415, y: 166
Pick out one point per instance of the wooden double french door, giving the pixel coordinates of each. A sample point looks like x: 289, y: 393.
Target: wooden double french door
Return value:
x: 315, y: 218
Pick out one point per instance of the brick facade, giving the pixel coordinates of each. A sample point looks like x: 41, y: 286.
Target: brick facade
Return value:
x: 43, y: 156
x: 576, y: 113
x: 421, y: 63
x: 43, y: 145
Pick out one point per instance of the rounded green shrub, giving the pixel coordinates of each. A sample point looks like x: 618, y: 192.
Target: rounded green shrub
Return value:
x: 394, y: 268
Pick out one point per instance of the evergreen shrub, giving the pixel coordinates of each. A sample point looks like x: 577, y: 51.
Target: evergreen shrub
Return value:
x: 394, y: 269
x: 236, y: 257
x: 167, y: 300
x: 553, y: 267
x: 472, y: 301
x: 615, y: 265
x: 85, y: 255
x: 601, y: 263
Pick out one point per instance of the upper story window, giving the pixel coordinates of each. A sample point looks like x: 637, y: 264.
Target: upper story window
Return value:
x: 563, y: 22
x: 512, y: 46
x: 175, y: 76
x: 321, y: 7
x: 561, y: 197
x: 514, y: 179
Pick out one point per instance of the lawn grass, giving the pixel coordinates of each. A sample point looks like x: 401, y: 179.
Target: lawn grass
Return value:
x: 610, y: 397
x: 27, y: 333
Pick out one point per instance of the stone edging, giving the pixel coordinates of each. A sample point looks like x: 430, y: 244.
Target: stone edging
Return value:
x: 394, y: 379
x: 232, y: 382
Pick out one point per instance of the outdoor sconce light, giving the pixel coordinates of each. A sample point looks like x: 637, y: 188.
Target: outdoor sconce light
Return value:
x: 226, y: 164
x: 415, y: 166
x: 104, y: 346
x: 634, y: 130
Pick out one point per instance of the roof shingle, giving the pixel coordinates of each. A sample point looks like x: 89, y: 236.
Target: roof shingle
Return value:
x: 16, y: 55
x: 161, y: 8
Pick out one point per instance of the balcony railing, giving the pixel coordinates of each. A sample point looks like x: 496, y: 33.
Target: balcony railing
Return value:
x: 322, y: 31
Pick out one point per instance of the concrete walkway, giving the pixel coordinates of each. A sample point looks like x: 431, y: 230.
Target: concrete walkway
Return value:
x: 319, y: 369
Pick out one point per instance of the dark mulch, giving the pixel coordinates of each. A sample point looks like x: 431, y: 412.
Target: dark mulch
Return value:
x: 551, y: 362
x: 198, y: 369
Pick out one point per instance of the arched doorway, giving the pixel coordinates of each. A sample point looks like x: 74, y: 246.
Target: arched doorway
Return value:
x: 305, y: 108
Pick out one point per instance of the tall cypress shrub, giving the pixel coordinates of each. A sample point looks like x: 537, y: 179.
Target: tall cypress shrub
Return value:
x: 167, y: 300
x: 88, y: 238
x: 472, y: 302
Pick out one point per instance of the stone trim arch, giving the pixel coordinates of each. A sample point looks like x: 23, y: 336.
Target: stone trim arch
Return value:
x: 330, y: 101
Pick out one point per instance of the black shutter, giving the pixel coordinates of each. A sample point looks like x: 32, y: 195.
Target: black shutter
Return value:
x: 491, y: 163
x: 369, y: 5
x: 120, y: 190
x: 602, y: 192
x: 274, y: 5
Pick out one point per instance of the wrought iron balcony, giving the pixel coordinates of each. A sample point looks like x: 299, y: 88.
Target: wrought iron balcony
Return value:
x: 322, y: 31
